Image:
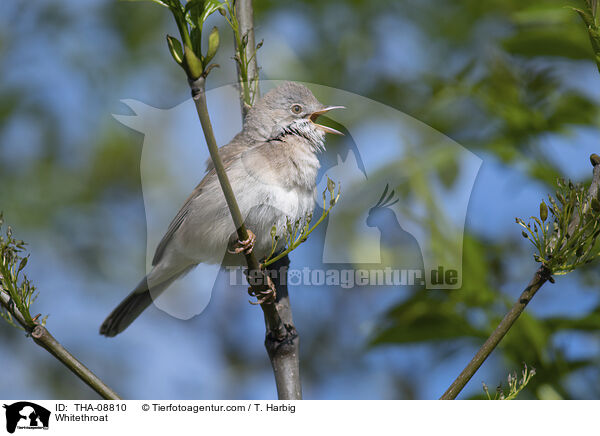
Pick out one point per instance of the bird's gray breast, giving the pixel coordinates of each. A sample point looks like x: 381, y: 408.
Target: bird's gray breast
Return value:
x: 274, y: 187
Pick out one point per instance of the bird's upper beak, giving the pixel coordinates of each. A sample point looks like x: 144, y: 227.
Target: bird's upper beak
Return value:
x: 313, y: 117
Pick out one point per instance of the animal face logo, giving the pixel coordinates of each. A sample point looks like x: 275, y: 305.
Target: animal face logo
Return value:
x: 392, y: 200
x: 26, y: 415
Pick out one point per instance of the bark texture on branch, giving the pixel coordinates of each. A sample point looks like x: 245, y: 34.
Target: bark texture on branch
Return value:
x: 44, y: 339
x: 539, y: 278
x: 284, y: 350
x: 281, y: 337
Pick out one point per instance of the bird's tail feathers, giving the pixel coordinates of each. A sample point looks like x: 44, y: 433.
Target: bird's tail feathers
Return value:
x: 134, y: 304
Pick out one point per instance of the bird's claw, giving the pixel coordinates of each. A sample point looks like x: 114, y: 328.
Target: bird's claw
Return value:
x: 263, y: 295
x: 245, y: 247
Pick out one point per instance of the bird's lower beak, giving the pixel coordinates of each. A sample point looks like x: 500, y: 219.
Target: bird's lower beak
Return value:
x: 313, y: 117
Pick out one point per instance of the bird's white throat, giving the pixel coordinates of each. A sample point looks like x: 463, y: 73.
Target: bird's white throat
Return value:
x: 306, y: 129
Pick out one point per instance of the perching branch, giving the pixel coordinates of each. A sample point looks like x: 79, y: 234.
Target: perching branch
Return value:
x: 564, y: 243
x: 283, y: 349
x: 281, y: 338
x: 279, y: 335
x: 15, y: 299
x: 284, y: 352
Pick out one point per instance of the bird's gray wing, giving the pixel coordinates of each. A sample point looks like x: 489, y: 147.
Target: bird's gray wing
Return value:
x: 177, y: 221
x: 228, y: 153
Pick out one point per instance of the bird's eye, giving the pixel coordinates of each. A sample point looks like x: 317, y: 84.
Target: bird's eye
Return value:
x: 296, y: 108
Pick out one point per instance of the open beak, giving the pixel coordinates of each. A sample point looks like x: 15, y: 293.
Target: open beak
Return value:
x: 313, y: 117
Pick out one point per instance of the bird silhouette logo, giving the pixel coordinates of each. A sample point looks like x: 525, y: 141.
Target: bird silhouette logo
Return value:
x: 405, y: 248
x: 416, y: 221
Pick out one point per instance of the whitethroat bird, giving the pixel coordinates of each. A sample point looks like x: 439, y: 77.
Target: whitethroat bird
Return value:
x: 272, y: 165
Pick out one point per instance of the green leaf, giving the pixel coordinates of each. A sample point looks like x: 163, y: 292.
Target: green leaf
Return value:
x: 23, y: 263
x: 213, y: 45
x: 175, y: 48
x: 194, y: 4
x: 543, y: 211
x: 586, y: 16
x: 196, y: 36
x: 192, y: 63
x: 194, y: 8
x: 173, y: 4
x: 210, y: 7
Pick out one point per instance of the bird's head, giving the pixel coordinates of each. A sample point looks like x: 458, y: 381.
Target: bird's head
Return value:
x: 289, y: 109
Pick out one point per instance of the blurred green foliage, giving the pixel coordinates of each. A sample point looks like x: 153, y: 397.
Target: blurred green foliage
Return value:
x: 518, y: 93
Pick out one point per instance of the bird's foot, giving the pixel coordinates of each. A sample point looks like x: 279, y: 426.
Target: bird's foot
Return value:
x: 245, y: 247
x: 264, y: 295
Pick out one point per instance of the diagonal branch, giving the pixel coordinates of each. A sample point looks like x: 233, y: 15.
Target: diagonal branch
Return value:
x: 281, y: 334
x: 540, y: 277
x: 44, y: 339
x: 281, y: 338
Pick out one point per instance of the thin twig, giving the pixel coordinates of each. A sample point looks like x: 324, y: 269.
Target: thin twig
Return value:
x: 245, y: 13
x: 44, y: 339
x: 540, y: 277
